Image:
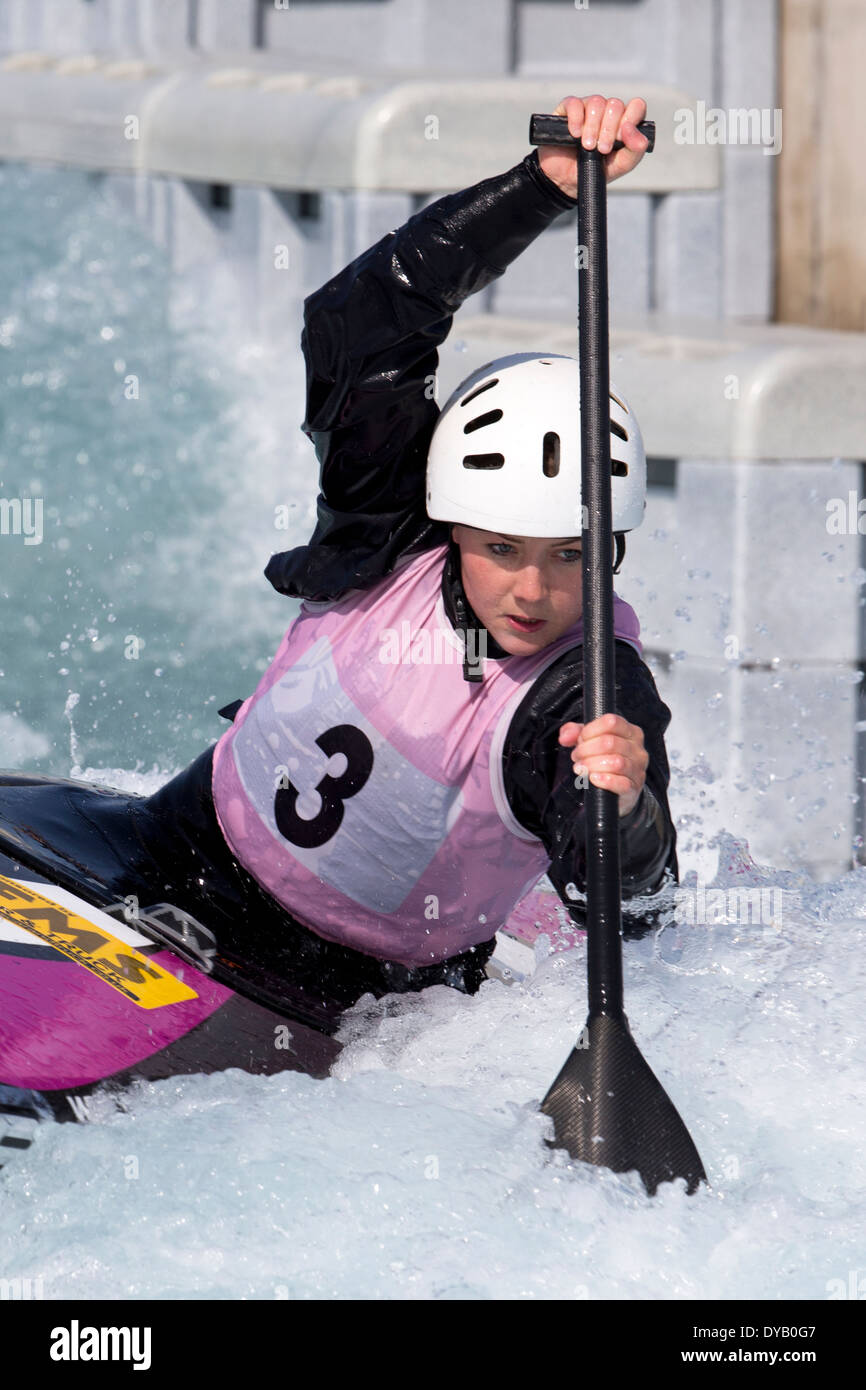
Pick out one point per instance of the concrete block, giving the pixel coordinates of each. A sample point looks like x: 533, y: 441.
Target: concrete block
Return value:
x: 748, y: 40
x: 315, y: 228
x: 628, y: 38
x: 123, y: 27
x: 20, y: 26
x: 749, y: 80
x: 165, y: 26
x: 413, y: 37
x: 338, y: 235
x: 225, y: 26
x: 281, y: 267
x: 798, y: 586
x: 216, y: 253
x: 71, y: 26
x: 331, y: 37
x: 763, y: 391
x: 450, y: 36
x: 768, y: 391
x: 654, y: 580
x: 543, y: 280
x: 335, y: 239
x: 369, y: 216
x: 768, y: 756
x: 688, y: 254
x: 691, y: 57
x: 629, y: 251
x: 738, y: 565
x: 220, y: 122
x: 747, y: 261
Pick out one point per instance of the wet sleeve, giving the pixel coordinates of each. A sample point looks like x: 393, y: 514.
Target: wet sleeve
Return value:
x: 539, y: 778
x: 370, y: 342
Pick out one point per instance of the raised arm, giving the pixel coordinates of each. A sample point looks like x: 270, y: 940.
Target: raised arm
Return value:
x: 370, y: 344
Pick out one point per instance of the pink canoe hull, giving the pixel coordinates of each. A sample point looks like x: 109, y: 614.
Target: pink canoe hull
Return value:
x: 63, y: 1028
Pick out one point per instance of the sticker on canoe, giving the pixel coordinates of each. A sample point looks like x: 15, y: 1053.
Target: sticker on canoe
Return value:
x: 106, y: 955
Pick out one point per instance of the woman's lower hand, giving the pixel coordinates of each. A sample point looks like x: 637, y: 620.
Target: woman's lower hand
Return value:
x: 610, y: 753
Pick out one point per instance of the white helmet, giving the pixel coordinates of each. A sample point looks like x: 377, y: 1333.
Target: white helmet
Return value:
x: 505, y: 452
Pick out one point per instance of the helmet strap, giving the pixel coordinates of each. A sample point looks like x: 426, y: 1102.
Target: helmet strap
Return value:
x: 464, y: 615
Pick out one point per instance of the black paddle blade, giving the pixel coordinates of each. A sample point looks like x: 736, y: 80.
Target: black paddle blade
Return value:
x: 609, y: 1109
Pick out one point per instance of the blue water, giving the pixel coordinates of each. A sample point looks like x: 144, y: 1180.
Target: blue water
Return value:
x: 145, y: 598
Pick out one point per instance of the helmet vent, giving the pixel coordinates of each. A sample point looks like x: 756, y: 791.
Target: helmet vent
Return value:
x: 483, y: 460
x: 622, y: 405
x: 477, y: 392
x: 481, y: 420
x: 550, y: 455
x: 617, y: 429
x: 618, y: 468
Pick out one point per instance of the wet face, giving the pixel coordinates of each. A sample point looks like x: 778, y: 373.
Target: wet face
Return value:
x: 509, y: 578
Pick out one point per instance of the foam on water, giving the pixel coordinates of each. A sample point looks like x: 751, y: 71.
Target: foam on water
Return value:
x: 418, y: 1170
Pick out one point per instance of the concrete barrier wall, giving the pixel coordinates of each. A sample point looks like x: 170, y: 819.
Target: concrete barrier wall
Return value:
x: 704, y: 252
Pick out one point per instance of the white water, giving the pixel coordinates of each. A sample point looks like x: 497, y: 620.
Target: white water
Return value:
x: 419, y: 1169
x: 145, y: 596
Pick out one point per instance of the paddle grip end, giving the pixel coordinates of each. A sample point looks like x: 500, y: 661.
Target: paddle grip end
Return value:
x: 553, y: 130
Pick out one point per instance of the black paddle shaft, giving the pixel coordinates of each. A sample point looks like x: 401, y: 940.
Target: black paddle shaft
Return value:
x: 607, y: 1107
x: 603, y: 880
x: 603, y: 877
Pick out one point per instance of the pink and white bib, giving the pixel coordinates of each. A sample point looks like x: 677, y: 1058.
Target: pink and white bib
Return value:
x: 361, y: 783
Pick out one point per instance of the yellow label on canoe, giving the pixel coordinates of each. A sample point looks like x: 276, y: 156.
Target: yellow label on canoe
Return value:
x: 108, y: 956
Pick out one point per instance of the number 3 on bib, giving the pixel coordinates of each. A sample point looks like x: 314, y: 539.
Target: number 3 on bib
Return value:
x: 358, y: 752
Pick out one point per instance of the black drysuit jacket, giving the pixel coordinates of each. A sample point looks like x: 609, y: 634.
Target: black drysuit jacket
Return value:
x: 370, y: 344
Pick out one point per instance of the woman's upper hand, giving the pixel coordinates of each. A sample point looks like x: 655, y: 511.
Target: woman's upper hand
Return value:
x: 611, y: 752
x: 599, y: 121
